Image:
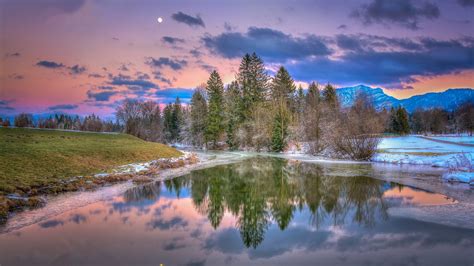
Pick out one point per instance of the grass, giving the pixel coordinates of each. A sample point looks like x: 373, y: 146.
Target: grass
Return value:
x: 32, y: 158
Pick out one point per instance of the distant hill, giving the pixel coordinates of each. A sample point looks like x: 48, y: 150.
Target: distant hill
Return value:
x: 448, y: 100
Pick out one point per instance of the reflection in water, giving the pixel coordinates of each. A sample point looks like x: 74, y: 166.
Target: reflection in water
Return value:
x: 263, y: 190
x: 262, y: 211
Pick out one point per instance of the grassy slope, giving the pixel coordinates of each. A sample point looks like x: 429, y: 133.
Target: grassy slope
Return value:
x: 32, y: 157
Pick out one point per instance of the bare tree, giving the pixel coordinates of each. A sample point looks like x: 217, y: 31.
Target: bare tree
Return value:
x: 358, y: 132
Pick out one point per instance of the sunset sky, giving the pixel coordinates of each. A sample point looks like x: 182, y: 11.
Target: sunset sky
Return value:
x: 84, y: 56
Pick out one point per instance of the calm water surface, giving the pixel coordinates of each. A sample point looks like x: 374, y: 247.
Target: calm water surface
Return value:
x: 258, y: 212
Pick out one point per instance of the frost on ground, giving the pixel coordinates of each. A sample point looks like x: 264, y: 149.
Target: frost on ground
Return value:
x: 458, y: 158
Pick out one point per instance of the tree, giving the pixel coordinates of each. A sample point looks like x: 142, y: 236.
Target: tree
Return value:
x: 198, y: 115
x: 232, y: 98
x: 129, y: 114
x: 24, y: 120
x: 150, y: 121
x: 399, y: 121
x: 357, y: 135
x: 177, y: 120
x: 215, y: 118
x: 465, y: 117
x: 312, y: 119
x: 282, y: 97
x: 168, y: 123
x: 330, y: 98
x: 280, y: 126
x: 283, y: 87
x: 253, y: 81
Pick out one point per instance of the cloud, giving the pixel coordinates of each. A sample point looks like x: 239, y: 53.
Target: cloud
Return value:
x: 365, y: 42
x: 158, y: 76
x: 102, y: 96
x: 170, y: 94
x: 96, y: 75
x: 466, y: 3
x: 175, y: 223
x: 73, y: 70
x: 406, y: 13
x: 16, y: 76
x: 106, y: 88
x: 49, y: 64
x: 269, y: 43
x: 77, y: 69
x: 123, y: 67
x: 62, y: 107
x: 16, y: 54
x: 387, y: 67
x: 165, y: 61
x: 172, y: 40
x: 195, y: 52
x: 342, y: 27
x: 188, y: 20
x: 123, y: 80
x: 5, y: 105
x: 229, y: 27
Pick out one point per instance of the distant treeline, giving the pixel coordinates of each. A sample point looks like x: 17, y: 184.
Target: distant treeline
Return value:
x: 63, y: 121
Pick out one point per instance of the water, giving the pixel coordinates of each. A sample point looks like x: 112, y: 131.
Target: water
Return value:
x: 262, y: 211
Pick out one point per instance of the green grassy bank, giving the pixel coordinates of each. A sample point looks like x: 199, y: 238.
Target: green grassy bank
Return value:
x: 31, y: 158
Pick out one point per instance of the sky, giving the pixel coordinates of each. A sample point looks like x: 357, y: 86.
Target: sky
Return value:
x: 86, y: 56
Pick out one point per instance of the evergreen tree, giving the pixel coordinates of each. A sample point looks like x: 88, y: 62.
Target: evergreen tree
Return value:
x: 280, y: 127
x: 402, y: 117
x: 232, y: 113
x: 330, y: 97
x: 282, y: 95
x: 300, y: 99
x: 253, y: 81
x: 399, y: 121
x: 177, y: 120
x: 168, y: 123
x: 215, y: 118
x: 198, y: 118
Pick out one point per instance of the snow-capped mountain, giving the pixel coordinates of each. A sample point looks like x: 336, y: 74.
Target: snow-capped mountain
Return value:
x: 448, y: 100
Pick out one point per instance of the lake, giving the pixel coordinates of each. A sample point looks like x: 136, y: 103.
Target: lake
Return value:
x: 261, y: 211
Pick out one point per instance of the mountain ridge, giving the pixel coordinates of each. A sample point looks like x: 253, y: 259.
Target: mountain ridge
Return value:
x: 449, y: 99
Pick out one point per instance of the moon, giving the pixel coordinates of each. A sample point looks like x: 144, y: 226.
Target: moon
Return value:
x: 160, y: 19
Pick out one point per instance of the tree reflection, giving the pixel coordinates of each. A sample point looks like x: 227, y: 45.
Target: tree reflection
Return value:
x: 262, y: 190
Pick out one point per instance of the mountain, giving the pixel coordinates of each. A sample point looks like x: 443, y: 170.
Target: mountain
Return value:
x: 448, y: 100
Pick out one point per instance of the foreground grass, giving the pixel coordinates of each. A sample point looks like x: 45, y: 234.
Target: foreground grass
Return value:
x: 31, y: 158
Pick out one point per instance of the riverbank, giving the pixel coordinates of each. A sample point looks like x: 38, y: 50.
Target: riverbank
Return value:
x: 37, y: 162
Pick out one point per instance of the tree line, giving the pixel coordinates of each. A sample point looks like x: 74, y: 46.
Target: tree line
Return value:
x: 63, y: 121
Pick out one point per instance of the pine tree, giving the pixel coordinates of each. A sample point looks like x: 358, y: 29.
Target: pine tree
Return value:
x: 232, y: 113
x: 330, y: 97
x: 402, y: 117
x: 198, y: 118
x: 283, y: 86
x: 280, y: 127
x: 253, y: 81
x: 215, y: 118
x: 177, y: 120
x: 300, y: 99
x: 399, y: 121
x: 282, y: 96
x: 168, y: 123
